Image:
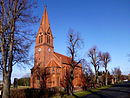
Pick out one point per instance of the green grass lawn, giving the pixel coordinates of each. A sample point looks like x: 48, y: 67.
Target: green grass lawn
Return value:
x: 83, y: 93
x: 20, y: 87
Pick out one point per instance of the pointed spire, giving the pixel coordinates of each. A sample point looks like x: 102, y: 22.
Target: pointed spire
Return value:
x: 45, y: 25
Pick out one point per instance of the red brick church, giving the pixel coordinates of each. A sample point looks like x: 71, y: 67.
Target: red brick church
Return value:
x: 49, y: 69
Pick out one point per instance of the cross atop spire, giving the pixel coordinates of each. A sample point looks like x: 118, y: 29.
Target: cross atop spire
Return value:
x: 45, y: 6
x: 44, y: 3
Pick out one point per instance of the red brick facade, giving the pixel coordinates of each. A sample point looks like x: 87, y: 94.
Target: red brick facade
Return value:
x: 49, y: 70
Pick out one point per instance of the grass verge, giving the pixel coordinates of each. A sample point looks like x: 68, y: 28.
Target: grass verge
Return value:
x: 83, y: 93
x: 20, y: 87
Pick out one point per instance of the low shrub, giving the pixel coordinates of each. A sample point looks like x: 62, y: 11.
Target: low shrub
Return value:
x: 31, y: 93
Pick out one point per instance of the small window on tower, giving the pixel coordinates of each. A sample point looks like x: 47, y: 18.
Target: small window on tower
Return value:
x: 58, y: 71
x: 41, y: 38
x: 47, y: 70
x: 53, y: 70
x: 48, y: 39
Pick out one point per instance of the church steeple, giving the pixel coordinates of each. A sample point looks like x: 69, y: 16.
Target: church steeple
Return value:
x: 45, y: 25
x: 44, y: 41
x: 44, y: 35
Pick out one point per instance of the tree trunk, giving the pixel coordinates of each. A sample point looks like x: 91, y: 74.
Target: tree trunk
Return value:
x: 6, y: 86
x: 96, y: 77
x: 106, y: 79
x: 70, y: 90
x: 71, y: 82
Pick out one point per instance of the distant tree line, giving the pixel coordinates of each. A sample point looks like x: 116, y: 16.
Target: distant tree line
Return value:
x: 98, y: 78
x: 24, y: 81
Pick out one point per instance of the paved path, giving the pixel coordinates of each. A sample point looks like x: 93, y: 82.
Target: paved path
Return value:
x: 118, y: 91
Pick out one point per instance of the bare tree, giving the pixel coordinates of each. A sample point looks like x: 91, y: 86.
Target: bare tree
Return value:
x: 88, y: 74
x: 105, y: 59
x: 86, y: 68
x: 64, y: 81
x: 15, y: 37
x: 117, y: 73
x: 42, y: 74
x: 94, y: 56
x: 74, y: 43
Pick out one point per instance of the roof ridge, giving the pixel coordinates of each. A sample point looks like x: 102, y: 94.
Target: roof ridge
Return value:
x: 62, y: 55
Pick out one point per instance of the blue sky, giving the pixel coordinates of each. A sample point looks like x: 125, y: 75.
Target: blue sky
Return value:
x: 101, y: 23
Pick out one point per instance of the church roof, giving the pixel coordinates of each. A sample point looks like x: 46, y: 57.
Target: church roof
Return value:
x: 65, y: 59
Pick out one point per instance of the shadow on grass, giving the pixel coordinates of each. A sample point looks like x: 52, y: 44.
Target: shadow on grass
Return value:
x: 122, y: 89
x: 76, y: 96
x: 100, y: 95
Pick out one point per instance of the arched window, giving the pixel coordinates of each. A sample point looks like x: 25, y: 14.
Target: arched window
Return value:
x: 47, y: 71
x: 48, y: 39
x: 40, y: 38
x: 53, y: 70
